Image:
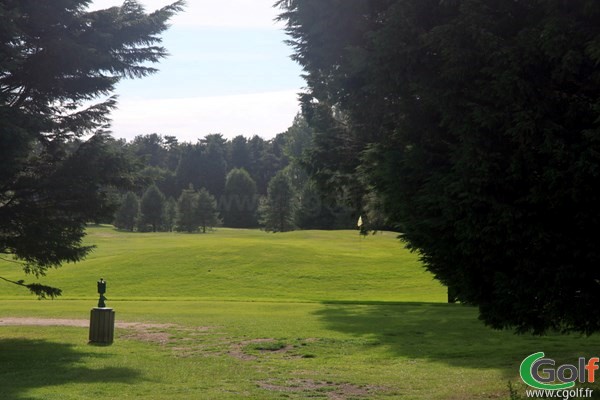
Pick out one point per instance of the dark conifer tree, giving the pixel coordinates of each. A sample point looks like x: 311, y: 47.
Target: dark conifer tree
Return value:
x: 206, y: 210
x: 239, y: 203
x: 477, y: 125
x: 56, y: 57
x: 278, y: 208
x: 152, y: 209
x: 127, y: 215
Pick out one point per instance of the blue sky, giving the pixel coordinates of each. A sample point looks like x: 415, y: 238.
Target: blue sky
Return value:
x: 229, y: 72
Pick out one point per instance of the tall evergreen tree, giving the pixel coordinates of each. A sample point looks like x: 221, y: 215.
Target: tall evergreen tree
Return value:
x: 240, y: 200
x: 190, y: 165
x: 56, y: 57
x: 214, y: 164
x: 477, y: 125
x: 207, y: 213
x: 152, y: 208
x: 170, y: 214
x: 187, y: 215
x: 127, y: 215
x: 312, y: 212
x: 277, y: 212
x: 239, y: 154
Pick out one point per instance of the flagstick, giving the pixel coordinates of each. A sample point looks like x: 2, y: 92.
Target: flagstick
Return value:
x: 360, y: 224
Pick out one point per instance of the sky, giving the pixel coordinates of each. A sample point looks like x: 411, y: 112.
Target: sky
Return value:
x: 229, y: 72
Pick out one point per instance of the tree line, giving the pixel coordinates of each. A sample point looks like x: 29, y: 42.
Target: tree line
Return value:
x: 237, y: 183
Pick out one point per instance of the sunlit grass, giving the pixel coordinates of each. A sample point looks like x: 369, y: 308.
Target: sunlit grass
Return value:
x: 244, y: 265
x: 252, y: 315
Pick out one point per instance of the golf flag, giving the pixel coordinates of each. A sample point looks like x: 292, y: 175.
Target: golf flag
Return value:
x: 359, y: 223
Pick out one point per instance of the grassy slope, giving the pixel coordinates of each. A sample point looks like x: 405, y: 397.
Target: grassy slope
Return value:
x: 419, y: 348
x: 245, y: 265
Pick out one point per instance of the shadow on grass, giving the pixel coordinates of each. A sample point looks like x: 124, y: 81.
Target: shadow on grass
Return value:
x: 450, y: 334
x: 29, y: 364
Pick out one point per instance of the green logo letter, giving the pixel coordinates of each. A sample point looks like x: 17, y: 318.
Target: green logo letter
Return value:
x: 527, y: 375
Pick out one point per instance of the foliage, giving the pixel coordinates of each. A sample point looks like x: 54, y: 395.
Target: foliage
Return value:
x: 475, y: 123
x: 173, y: 166
x: 277, y: 212
x: 187, y: 215
x: 215, y: 165
x: 170, y: 214
x: 127, y: 215
x: 239, y: 156
x: 56, y: 59
x: 312, y: 212
x: 152, y: 209
x: 206, y: 210
x: 196, y: 209
x: 240, y: 200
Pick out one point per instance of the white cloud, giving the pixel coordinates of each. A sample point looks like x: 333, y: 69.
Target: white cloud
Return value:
x: 211, y: 13
x: 264, y: 114
x: 242, y: 59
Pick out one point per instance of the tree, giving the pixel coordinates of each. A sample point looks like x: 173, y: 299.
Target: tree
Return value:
x: 311, y: 211
x: 279, y: 207
x: 476, y: 125
x: 207, y: 213
x: 151, y: 149
x: 239, y: 154
x: 127, y: 215
x: 215, y: 166
x: 239, y: 202
x: 187, y: 215
x: 55, y: 58
x: 190, y: 166
x: 152, y: 209
x: 170, y: 214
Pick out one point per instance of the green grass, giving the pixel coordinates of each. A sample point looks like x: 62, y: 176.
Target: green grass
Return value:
x: 373, y: 326
x: 245, y: 265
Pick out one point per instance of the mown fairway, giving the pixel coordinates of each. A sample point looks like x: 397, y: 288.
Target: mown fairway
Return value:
x: 247, y: 314
x: 246, y: 265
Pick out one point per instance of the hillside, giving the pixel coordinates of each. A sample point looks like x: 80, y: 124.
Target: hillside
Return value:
x: 230, y: 264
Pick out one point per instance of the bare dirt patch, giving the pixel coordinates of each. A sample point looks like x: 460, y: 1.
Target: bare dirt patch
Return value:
x: 272, y: 346
x: 145, y: 332
x: 333, y: 391
x: 43, y: 322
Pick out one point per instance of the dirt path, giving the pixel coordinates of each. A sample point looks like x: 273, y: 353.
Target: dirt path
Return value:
x: 82, y: 323
x: 154, y: 333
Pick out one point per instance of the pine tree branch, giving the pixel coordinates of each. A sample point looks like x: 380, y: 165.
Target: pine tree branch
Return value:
x: 10, y: 261
x: 41, y: 291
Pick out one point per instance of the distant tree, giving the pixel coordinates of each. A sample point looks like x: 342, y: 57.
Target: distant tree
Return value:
x: 152, y: 208
x: 239, y: 154
x: 56, y: 57
x: 127, y: 215
x: 277, y: 211
x: 151, y: 149
x: 312, y: 212
x: 257, y: 149
x: 298, y: 139
x: 171, y: 143
x: 207, y: 213
x: 170, y: 214
x: 187, y: 215
x: 189, y: 166
x: 214, y: 163
x: 297, y: 144
x: 240, y: 201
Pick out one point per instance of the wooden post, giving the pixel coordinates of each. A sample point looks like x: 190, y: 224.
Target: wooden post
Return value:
x: 102, y: 326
